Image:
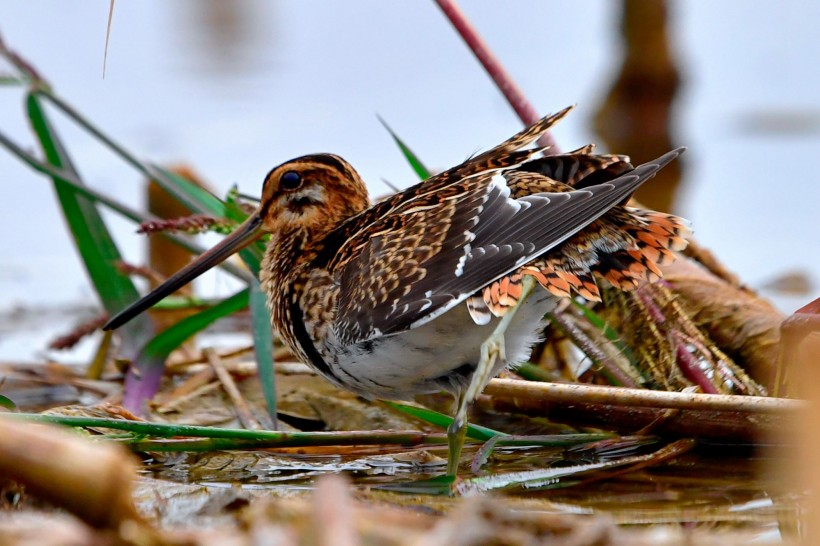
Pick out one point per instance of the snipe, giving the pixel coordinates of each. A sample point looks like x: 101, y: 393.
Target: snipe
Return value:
x: 434, y: 288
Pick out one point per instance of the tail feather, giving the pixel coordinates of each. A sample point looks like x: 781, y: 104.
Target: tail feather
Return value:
x: 625, y: 248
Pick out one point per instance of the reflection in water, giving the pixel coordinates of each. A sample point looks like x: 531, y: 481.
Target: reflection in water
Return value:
x: 226, y: 37
x: 634, y: 118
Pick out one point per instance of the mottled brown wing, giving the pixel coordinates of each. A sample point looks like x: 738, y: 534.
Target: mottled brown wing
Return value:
x: 433, y: 251
x: 509, y: 152
x: 505, y: 155
x: 578, y: 169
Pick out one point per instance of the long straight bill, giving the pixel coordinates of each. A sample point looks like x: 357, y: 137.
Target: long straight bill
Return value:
x: 241, y: 237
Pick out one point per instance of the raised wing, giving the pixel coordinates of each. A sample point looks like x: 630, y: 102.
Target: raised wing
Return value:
x: 420, y: 257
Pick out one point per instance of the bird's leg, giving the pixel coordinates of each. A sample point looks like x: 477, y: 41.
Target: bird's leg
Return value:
x: 491, y: 350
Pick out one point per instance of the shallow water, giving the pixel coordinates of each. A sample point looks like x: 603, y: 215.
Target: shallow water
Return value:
x: 718, y: 490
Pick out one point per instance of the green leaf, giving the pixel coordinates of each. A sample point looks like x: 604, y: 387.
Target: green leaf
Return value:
x: 105, y: 200
x: 91, y: 236
x: 6, y: 402
x: 260, y: 318
x: 195, y: 198
x: 475, y: 432
x: 532, y: 372
x: 414, y: 161
x: 145, y: 374
x: 166, y: 341
x: 271, y: 438
x: 263, y: 345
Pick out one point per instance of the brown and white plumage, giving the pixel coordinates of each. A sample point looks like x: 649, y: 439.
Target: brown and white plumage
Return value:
x: 395, y: 298
x: 350, y: 302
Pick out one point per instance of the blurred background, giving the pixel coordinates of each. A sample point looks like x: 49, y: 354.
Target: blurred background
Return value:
x: 234, y: 87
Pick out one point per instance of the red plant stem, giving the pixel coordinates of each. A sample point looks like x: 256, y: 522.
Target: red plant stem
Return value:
x: 651, y: 306
x: 689, y: 367
x: 523, y: 108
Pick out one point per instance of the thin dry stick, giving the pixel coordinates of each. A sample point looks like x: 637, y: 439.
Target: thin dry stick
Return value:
x: 108, y: 35
x: 523, y: 108
x: 197, y: 380
x: 182, y: 366
x: 243, y: 411
x: 175, y: 403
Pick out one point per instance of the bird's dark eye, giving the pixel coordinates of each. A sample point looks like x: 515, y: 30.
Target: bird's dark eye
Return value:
x: 290, y: 180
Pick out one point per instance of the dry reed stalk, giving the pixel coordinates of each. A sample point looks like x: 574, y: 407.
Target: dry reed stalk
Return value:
x: 92, y: 481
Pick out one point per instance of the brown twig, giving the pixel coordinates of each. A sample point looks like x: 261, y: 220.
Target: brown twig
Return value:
x: 664, y: 454
x: 196, y: 391
x: 94, y: 481
x: 192, y: 384
x: 140, y: 271
x: 84, y: 329
x: 333, y: 516
x: 243, y: 411
x: 182, y: 365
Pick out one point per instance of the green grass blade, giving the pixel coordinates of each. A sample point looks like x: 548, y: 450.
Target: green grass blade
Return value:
x: 195, y: 198
x: 166, y: 341
x: 475, y: 432
x: 532, y: 372
x: 6, y: 402
x: 144, y: 376
x: 91, y: 237
x: 422, y: 171
x: 251, y: 255
x: 198, y: 200
x: 281, y: 439
x: 108, y: 202
x: 598, y: 322
x: 263, y: 346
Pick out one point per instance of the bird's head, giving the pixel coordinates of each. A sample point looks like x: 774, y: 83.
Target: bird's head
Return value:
x: 312, y: 193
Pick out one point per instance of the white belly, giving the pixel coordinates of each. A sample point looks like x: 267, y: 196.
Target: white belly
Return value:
x: 439, y: 355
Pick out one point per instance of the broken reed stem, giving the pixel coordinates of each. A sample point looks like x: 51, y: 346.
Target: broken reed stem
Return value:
x: 515, y: 97
x: 620, y: 396
x: 243, y: 411
x: 91, y: 480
